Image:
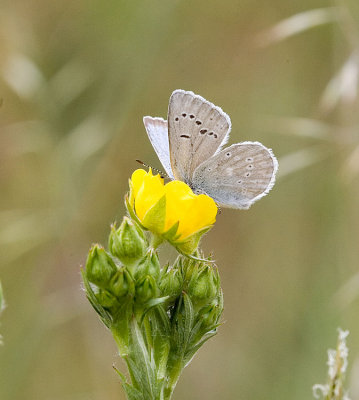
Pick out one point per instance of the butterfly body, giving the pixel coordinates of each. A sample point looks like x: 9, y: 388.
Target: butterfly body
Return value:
x: 190, y: 147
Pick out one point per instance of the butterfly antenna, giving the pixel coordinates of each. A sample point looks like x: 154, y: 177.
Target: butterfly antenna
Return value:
x: 163, y: 175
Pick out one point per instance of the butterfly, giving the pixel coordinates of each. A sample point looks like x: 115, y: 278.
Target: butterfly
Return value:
x: 190, y: 147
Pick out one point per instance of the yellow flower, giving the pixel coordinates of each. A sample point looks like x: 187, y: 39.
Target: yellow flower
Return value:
x: 172, y: 211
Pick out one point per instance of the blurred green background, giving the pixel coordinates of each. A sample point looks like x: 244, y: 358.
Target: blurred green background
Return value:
x: 76, y: 77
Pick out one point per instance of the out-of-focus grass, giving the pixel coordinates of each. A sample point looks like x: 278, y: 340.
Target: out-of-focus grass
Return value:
x: 76, y: 79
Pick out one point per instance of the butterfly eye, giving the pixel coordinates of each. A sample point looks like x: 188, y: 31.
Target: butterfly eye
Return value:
x: 248, y: 174
x: 249, y: 159
x: 215, y: 136
x: 198, y: 122
x: 176, y: 119
x: 210, y: 133
x: 184, y: 115
x: 228, y: 154
x: 191, y: 116
x: 203, y: 131
x: 250, y: 166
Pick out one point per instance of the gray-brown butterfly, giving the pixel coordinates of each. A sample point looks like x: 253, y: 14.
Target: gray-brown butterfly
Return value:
x: 190, y: 147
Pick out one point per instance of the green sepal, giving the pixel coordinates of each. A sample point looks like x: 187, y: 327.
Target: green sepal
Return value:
x: 149, y: 265
x: 171, y: 234
x: 146, y: 289
x: 190, y: 244
x: 132, y: 213
x: 155, y: 217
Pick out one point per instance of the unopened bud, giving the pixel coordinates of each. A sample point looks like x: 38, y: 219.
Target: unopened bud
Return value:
x: 149, y: 265
x: 99, y: 266
x: 105, y: 298
x: 209, y: 315
x: 146, y: 289
x: 127, y: 243
x: 122, y: 284
x: 204, y: 285
x: 171, y: 282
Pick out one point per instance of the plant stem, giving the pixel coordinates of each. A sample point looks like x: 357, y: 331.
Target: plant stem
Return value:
x: 173, y: 376
x: 156, y: 240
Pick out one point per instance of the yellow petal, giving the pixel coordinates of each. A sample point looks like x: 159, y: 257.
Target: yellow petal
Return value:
x: 148, y: 193
x: 137, y: 180
x: 201, y: 214
x: 193, y: 212
x: 179, y: 197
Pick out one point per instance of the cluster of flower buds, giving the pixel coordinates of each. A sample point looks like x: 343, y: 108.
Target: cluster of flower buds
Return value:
x: 159, y: 317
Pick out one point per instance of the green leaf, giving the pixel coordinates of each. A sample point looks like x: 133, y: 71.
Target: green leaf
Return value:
x: 132, y: 393
x: 104, y: 315
x: 120, y: 327
x: 151, y: 304
x: 191, y: 352
x: 163, y: 321
x: 141, y: 364
x: 189, y: 316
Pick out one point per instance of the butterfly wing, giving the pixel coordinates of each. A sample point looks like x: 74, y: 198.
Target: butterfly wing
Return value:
x: 237, y: 176
x: 197, y: 129
x: 157, y: 131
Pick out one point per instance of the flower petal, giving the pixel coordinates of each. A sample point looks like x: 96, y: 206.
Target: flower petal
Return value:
x: 148, y: 193
x: 193, y: 212
x: 201, y: 214
x: 179, y: 200
x: 137, y: 180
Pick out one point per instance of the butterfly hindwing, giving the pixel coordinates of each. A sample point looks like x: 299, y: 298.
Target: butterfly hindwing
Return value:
x: 237, y: 176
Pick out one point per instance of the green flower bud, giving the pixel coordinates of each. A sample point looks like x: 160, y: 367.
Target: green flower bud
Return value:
x: 204, y: 285
x: 122, y: 284
x: 105, y: 298
x: 171, y: 282
x: 146, y: 289
x: 99, y: 266
x: 149, y: 265
x: 209, y: 315
x: 127, y: 242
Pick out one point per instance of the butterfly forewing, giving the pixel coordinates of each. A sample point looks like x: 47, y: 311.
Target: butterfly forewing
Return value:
x: 157, y: 131
x: 197, y: 129
x: 237, y: 176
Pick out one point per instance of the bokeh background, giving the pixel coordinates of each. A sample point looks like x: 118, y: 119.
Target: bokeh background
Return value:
x: 76, y: 77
